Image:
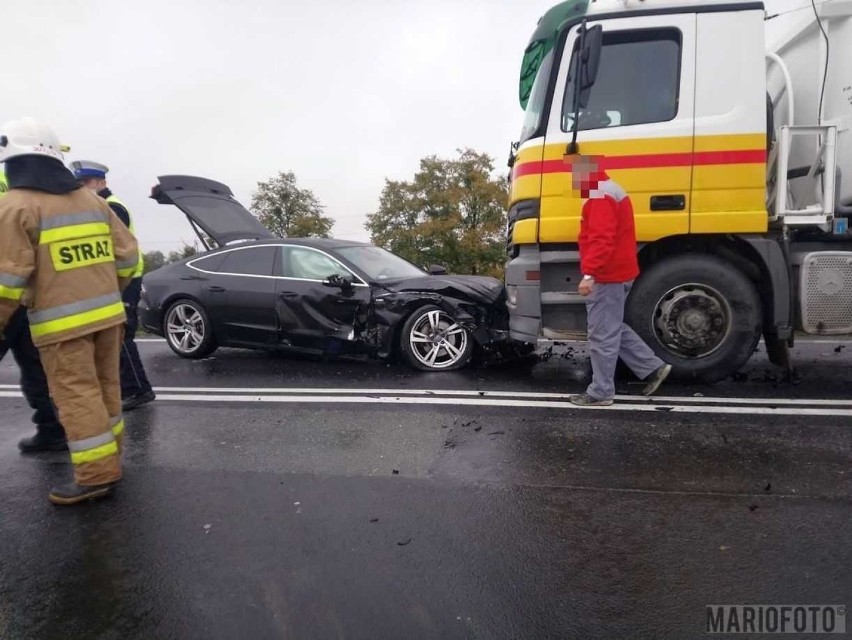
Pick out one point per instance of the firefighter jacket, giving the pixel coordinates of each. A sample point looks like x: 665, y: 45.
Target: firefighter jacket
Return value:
x: 66, y: 257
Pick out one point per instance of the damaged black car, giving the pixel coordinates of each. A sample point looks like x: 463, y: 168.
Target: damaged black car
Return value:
x: 254, y: 290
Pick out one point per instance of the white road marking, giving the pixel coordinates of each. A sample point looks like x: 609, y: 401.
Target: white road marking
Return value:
x: 770, y: 407
x: 700, y: 400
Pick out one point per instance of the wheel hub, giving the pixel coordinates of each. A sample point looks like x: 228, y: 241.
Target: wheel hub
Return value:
x: 437, y: 341
x: 692, y: 320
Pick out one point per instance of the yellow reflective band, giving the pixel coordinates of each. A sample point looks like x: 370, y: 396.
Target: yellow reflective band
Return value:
x: 11, y: 293
x: 39, y: 330
x: 127, y: 268
x: 118, y: 428
x: 139, y: 269
x: 74, y: 231
x: 73, y: 254
x: 98, y: 453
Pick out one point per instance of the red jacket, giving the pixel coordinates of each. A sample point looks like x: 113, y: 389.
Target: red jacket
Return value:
x: 607, y: 235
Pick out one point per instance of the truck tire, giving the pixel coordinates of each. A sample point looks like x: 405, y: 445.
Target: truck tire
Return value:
x: 699, y: 313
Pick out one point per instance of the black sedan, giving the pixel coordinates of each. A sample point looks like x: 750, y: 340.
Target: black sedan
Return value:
x: 324, y: 296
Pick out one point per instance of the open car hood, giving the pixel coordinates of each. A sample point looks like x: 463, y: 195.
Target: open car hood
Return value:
x: 211, y: 208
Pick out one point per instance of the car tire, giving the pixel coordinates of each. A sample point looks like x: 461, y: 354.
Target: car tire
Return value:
x: 187, y: 329
x: 431, y: 340
x: 699, y: 313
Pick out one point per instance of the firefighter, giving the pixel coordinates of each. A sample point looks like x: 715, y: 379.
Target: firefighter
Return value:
x: 135, y: 388
x: 66, y: 256
x: 49, y: 435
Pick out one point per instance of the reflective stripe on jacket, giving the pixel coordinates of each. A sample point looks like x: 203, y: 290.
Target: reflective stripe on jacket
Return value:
x: 66, y: 257
x: 140, y: 267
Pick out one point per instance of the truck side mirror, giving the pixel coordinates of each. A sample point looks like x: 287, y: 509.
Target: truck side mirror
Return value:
x: 590, y: 62
x: 437, y: 270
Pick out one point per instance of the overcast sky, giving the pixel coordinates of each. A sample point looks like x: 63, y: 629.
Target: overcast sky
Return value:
x: 342, y: 93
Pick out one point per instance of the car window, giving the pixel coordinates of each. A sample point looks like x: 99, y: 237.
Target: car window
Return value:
x: 638, y: 81
x: 256, y: 261
x: 308, y: 264
x: 210, y: 263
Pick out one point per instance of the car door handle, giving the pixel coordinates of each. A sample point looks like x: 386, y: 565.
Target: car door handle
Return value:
x: 668, y: 203
x: 215, y: 289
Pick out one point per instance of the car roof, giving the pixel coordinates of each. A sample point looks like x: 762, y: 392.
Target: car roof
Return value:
x: 316, y: 243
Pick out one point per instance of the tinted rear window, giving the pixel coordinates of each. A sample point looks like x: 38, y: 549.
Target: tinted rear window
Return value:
x: 210, y: 263
x: 256, y: 261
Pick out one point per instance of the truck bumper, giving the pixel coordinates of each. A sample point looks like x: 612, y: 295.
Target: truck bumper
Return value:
x: 523, y: 289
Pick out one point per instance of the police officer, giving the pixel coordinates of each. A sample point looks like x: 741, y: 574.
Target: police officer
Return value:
x: 135, y: 388
x: 64, y: 250
x: 49, y: 435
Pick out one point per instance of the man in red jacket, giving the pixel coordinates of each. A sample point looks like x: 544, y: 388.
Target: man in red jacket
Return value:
x: 609, y: 264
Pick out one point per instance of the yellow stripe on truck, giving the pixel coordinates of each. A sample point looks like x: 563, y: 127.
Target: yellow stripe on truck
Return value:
x: 721, y: 180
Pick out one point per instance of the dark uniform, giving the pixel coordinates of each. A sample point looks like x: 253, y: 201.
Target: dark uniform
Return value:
x: 134, y: 382
x: 49, y: 433
x: 135, y: 388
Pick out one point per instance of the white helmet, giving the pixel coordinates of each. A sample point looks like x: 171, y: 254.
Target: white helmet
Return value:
x: 27, y: 137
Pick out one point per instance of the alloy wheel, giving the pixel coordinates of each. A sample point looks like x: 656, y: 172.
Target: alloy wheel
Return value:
x: 437, y: 341
x: 185, y: 328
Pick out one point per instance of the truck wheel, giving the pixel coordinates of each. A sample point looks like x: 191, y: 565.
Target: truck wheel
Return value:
x: 698, y: 313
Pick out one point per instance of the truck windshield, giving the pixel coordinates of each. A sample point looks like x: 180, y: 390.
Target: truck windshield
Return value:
x: 538, y: 94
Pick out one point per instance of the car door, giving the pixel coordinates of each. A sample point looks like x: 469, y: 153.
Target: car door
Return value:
x: 241, y: 297
x: 311, y: 311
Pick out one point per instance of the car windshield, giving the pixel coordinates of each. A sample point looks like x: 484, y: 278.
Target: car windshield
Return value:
x: 379, y: 264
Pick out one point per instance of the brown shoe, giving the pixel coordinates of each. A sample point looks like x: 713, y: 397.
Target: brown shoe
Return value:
x: 73, y: 493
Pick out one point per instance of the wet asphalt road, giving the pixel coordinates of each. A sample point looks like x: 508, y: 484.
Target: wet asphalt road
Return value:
x: 378, y: 502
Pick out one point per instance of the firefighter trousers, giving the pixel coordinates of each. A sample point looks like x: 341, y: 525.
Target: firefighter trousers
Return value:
x: 83, y: 376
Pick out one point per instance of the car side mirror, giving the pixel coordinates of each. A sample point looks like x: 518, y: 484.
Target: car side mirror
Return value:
x: 341, y: 282
x: 437, y: 270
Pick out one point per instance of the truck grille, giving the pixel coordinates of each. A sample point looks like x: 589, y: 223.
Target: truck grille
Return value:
x: 826, y: 285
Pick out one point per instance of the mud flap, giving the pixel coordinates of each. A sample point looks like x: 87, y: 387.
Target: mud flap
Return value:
x: 778, y: 351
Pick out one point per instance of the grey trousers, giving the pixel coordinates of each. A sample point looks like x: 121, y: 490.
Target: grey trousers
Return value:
x: 611, y: 339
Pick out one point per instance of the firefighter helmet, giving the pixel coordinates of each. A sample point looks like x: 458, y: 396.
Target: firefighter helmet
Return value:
x: 28, y: 137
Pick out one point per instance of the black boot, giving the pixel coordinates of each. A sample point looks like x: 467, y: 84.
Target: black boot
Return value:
x: 43, y: 441
x: 72, y: 493
x: 131, y: 403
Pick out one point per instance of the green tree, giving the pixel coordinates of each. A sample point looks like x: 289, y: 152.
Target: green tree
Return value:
x: 288, y: 211
x: 186, y: 251
x: 153, y: 260
x: 453, y: 213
